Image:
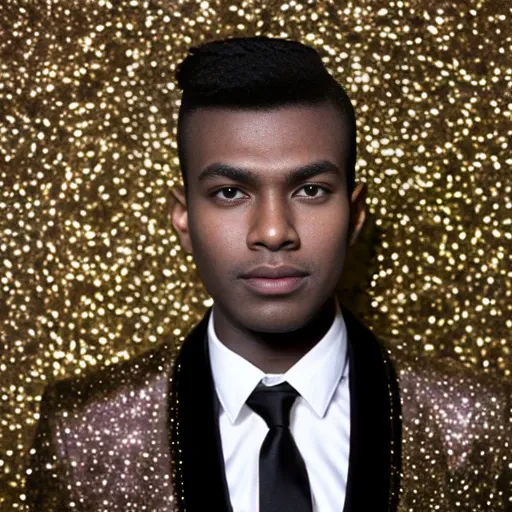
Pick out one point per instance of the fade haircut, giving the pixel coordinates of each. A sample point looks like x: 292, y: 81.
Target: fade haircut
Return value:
x: 259, y: 73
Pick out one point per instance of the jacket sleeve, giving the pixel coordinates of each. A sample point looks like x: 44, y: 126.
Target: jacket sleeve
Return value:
x: 48, y: 476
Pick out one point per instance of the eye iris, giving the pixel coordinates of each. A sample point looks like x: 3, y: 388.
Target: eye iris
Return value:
x: 229, y: 193
x: 311, y: 190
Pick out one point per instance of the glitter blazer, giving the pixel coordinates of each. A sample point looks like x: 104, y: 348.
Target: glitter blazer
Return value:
x: 143, y: 435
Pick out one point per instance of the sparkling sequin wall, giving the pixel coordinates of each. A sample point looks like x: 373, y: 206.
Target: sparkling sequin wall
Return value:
x: 91, y: 272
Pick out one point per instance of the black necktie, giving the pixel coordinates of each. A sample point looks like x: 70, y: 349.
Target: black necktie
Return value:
x: 284, y: 483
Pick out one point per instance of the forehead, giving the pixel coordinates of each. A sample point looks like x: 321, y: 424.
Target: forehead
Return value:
x: 273, y: 139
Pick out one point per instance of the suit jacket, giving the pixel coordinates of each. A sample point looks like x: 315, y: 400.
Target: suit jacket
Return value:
x: 143, y: 435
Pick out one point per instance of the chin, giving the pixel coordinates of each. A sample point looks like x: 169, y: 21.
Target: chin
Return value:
x: 276, y: 320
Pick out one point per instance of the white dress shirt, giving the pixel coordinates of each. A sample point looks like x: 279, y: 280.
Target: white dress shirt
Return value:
x: 319, y: 421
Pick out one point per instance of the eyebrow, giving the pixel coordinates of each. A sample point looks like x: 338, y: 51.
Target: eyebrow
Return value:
x: 248, y: 177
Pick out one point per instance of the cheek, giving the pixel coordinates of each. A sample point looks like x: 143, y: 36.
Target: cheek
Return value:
x: 332, y: 247
x: 330, y: 250
x: 215, y: 238
x: 327, y: 232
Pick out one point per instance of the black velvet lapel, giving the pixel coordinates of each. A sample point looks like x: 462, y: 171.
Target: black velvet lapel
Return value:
x: 375, y: 439
x: 197, y: 455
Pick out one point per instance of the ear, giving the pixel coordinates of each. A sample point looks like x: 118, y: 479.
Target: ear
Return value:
x: 180, y: 217
x: 357, y: 211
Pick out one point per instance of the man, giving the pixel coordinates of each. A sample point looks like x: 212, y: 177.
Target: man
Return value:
x: 279, y: 399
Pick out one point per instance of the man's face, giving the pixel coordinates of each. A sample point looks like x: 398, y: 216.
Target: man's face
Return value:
x: 267, y: 214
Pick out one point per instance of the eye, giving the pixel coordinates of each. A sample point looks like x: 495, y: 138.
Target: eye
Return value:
x: 229, y: 194
x: 312, y: 191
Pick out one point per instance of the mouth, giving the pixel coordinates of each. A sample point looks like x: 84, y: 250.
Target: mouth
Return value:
x: 281, y: 280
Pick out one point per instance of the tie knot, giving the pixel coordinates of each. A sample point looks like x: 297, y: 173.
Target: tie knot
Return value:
x: 273, y: 403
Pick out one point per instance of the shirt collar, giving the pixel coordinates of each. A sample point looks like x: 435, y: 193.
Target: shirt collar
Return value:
x: 315, y: 376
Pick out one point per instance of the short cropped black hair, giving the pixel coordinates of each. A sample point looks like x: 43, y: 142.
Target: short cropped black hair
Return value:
x: 259, y: 73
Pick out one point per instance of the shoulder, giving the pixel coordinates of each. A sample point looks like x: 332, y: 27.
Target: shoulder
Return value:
x: 119, y: 411
x: 455, y: 434
x: 468, y: 410
x: 446, y: 384
x: 115, y: 387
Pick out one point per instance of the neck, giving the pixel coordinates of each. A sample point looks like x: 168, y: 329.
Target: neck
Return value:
x: 274, y: 352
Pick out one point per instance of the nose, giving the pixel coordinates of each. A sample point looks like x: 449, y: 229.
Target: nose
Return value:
x: 273, y: 226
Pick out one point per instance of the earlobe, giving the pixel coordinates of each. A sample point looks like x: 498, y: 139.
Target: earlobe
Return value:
x: 358, y: 211
x: 180, y: 218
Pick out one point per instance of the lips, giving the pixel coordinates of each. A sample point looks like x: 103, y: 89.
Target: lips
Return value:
x: 280, y: 272
x: 281, y: 280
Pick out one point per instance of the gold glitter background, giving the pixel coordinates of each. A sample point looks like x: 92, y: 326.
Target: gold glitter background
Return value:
x: 90, y: 269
